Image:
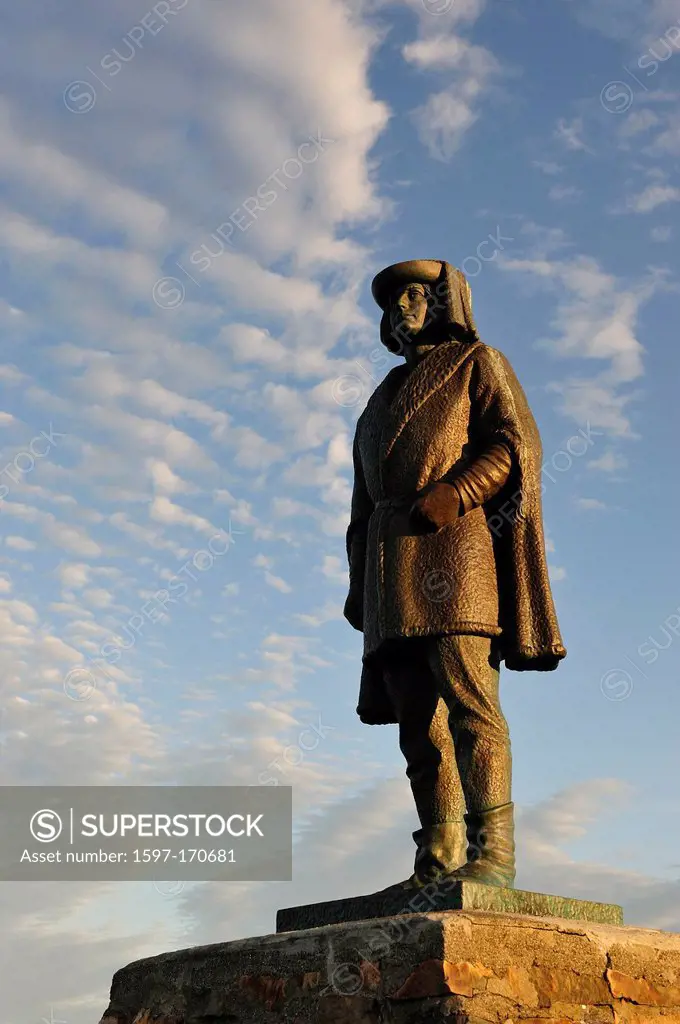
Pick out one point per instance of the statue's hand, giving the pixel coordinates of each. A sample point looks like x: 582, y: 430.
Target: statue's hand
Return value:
x: 437, y: 505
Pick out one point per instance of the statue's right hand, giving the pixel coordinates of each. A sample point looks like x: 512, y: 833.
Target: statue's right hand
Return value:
x: 436, y: 506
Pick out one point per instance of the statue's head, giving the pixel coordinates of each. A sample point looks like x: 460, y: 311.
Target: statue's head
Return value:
x: 424, y: 302
x: 408, y: 307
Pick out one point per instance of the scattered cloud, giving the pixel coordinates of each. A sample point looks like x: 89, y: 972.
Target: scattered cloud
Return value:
x: 564, y: 193
x: 590, y: 504
x: 652, y: 197
x: 609, y: 462
x: 445, y: 118
x: 596, y: 320
x: 569, y: 134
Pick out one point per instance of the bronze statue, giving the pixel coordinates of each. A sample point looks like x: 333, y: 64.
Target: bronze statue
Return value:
x: 448, y: 574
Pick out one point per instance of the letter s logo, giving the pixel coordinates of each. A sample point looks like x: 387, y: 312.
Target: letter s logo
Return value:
x: 45, y: 826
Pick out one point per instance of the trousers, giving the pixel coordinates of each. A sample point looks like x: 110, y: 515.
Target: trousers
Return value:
x: 452, y: 731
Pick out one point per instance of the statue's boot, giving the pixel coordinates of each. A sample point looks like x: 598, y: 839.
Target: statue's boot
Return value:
x: 491, y: 847
x: 440, y: 851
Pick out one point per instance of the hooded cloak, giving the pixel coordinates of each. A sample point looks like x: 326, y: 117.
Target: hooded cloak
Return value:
x: 484, y: 574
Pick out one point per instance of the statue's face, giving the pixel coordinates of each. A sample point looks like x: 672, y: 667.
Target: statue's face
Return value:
x: 408, y: 310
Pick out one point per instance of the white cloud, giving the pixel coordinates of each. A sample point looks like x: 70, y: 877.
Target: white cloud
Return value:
x: 609, y: 462
x: 596, y: 319
x: 20, y: 543
x: 442, y: 123
x: 560, y: 193
x: 335, y: 570
x: 627, y: 20
x: 73, y: 539
x: 171, y: 427
x: 98, y: 597
x: 30, y: 165
x: 251, y: 344
x: 591, y: 504
x: 442, y: 52
x: 667, y: 141
x: 163, y: 510
x: 330, y: 612
x: 447, y: 115
x: 638, y: 121
x: 74, y: 576
x: 165, y: 482
x: 547, y: 166
x: 277, y: 583
x: 652, y: 197
x: 569, y: 133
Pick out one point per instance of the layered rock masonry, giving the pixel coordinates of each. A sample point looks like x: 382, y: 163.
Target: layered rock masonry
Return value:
x: 464, y: 967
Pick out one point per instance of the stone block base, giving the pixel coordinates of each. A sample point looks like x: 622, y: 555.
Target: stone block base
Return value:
x: 464, y: 967
x: 446, y: 895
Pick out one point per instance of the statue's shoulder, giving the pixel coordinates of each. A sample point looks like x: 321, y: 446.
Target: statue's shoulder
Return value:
x: 378, y: 398
x: 478, y: 351
x: 387, y: 387
x: 487, y: 353
x: 492, y: 361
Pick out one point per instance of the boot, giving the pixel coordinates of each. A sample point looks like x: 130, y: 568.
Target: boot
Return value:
x: 439, y: 853
x: 491, y: 847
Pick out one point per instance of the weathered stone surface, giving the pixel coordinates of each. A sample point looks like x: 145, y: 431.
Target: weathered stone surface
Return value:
x: 461, y: 967
x: 541, y: 1020
x: 442, y: 978
x: 639, y: 990
x: 271, y: 992
x: 347, y: 1010
x: 628, y: 1013
x: 568, y: 986
x: 515, y: 985
x: 446, y: 896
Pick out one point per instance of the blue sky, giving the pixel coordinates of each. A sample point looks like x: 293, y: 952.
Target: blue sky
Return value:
x: 157, y: 400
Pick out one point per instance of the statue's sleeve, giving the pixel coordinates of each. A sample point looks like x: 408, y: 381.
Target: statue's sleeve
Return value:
x: 500, y: 414
x: 484, y: 477
x: 361, y: 510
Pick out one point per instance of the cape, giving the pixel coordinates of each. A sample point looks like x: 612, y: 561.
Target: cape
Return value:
x: 486, y: 573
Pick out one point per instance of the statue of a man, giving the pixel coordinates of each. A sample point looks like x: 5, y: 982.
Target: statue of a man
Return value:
x: 448, y: 573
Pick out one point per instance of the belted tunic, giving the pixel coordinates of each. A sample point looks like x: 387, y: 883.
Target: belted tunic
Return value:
x: 484, y: 573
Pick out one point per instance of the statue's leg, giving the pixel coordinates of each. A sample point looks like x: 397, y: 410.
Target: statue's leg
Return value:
x: 467, y: 671
x: 427, y: 745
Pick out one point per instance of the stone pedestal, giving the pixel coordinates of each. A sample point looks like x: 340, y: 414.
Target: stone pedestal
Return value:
x: 446, y: 894
x: 462, y: 966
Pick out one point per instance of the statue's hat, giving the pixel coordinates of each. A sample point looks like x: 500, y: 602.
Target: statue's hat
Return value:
x: 401, y: 274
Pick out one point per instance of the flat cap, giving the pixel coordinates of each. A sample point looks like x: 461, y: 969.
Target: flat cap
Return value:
x: 401, y: 274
